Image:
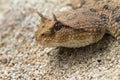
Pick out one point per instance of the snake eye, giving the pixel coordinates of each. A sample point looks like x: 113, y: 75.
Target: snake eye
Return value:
x: 58, y: 25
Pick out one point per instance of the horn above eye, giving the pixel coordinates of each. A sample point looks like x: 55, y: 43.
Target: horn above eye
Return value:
x: 54, y: 17
x: 42, y: 17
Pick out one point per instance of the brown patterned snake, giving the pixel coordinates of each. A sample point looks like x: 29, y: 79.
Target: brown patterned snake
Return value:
x: 80, y: 27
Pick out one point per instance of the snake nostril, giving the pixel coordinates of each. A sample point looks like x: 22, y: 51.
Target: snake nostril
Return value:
x: 42, y: 34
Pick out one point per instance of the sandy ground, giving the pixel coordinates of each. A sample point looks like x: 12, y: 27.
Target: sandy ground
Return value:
x: 22, y: 58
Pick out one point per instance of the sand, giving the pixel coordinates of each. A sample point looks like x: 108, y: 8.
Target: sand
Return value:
x: 22, y: 58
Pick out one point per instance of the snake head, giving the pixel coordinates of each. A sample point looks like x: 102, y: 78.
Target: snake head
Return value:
x: 45, y: 33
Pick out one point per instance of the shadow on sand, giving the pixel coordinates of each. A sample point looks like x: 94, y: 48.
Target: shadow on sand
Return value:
x: 76, y: 56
